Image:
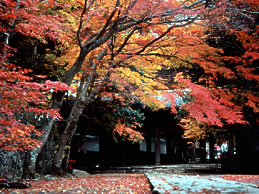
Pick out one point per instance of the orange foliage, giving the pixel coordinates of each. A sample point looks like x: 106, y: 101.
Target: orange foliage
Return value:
x: 138, y: 41
x: 128, y: 132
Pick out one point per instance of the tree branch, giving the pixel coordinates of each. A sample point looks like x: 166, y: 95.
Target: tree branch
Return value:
x: 86, y: 8
x: 164, y: 34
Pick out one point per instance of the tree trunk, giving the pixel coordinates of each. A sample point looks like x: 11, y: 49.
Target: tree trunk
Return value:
x: 211, y: 147
x: 66, y: 159
x: 30, y: 164
x: 149, y: 158
x: 157, y: 146
x: 82, y: 100
x: 69, y: 130
x: 203, y: 150
x: 8, y: 34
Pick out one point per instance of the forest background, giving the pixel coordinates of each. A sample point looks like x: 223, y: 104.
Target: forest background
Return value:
x: 84, y: 52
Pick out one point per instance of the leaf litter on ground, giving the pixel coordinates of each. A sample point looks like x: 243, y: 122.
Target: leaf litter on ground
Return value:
x: 103, y: 183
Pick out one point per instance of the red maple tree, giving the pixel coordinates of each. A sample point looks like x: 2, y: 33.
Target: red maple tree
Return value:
x: 24, y: 102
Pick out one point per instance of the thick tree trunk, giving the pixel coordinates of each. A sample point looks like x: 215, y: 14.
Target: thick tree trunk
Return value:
x: 67, y: 153
x: 203, y: 150
x: 69, y: 130
x: 31, y: 158
x: 82, y: 100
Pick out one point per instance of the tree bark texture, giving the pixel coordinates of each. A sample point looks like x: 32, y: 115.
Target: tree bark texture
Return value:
x: 82, y: 100
x: 69, y: 130
x: 31, y: 158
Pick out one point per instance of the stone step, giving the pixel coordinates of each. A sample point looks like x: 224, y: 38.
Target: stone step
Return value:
x: 180, y: 168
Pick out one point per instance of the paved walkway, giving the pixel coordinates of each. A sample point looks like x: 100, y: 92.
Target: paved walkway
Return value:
x: 173, y: 183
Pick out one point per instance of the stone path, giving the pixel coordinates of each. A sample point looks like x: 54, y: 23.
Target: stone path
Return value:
x: 173, y: 168
x: 173, y: 183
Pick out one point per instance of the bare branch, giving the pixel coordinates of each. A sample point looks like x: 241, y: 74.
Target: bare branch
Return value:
x: 102, y: 31
x: 163, y: 56
x: 86, y: 22
x: 133, y: 3
x: 86, y: 8
x: 126, y: 39
x: 195, y: 4
x: 164, y: 34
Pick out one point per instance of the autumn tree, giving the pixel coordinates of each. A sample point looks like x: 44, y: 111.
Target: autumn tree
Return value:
x: 242, y: 60
x: 123, y: 45
x: 231, y: 76
x: 152, y: 36
x: 24, y: 102
x: 140, y: 25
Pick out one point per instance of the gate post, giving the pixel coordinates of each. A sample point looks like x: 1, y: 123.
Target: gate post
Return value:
x: 157, y: 146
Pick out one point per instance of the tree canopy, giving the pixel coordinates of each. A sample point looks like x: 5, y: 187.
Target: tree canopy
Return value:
x: 116, y: 50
